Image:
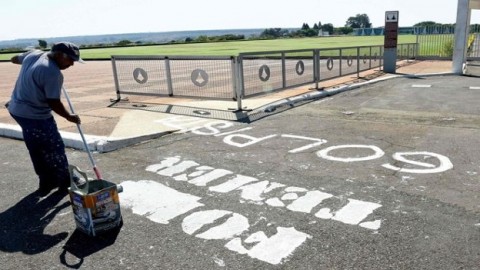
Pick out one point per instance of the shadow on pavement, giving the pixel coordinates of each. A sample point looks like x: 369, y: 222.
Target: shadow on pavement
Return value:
x: 22, y: 225
x: 410, y: 76
x: 81, y: 246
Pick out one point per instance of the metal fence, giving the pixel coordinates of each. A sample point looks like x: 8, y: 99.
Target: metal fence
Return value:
x: 345, y: 61
x: 243, y: 76
x: 437, y: 42
x: 473, y: 51
x: 262, y: 72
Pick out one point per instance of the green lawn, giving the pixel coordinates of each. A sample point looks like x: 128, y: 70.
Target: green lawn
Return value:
x: 236, y: 47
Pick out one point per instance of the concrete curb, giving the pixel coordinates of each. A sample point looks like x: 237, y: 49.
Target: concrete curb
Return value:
x: 100, y: 144
x: 112, y: 144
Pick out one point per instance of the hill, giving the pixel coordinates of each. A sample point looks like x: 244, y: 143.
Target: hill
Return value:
x: 155, y: 37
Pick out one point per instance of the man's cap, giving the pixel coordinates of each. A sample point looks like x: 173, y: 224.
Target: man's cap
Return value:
x: 69, y: 49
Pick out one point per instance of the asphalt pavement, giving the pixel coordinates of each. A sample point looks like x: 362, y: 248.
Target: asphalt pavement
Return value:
x: 378, y: 174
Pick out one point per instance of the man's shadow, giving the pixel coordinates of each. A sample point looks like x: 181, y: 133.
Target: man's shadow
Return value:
x: 22, y: 225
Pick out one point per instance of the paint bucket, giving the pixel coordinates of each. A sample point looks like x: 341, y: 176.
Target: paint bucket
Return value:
x: 95, y: 204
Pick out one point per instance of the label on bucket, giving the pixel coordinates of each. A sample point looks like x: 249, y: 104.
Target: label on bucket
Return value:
x: 97, y: 211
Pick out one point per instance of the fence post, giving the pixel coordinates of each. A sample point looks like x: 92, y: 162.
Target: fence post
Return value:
x: 238, y: 73
x: 411, y: 49
x: 340, y: 62
x: 169, y: 76
x: 370, y: 59
x: 399, y: 52
x: 234, y: 78
x: 115, y: 79
x: 284, y: 72
x: 316, y: 67
x: 358, y: 62
x: 382, y: 51
x: 417, y: 48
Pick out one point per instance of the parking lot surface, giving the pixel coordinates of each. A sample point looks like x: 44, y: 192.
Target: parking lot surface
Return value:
x: 383, y: 176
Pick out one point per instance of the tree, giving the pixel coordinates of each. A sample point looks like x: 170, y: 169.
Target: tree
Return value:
x: 345, y: 30
x: 426, y: 24
x: 274, y: 33
x: 202, y: 38
x: 123, y: 42
x: 475, y: 28
x: 42, y: 44
x: 431, y: 27
x: 328, y: 27
x: 359, y: 21
x: 310, y: 33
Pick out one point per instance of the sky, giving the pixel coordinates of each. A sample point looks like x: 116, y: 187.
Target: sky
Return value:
x: 63, y: 18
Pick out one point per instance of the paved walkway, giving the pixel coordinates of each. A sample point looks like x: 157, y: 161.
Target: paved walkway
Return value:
x: 91, y: 89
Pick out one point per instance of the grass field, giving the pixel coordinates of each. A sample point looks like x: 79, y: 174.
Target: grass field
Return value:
x: 234, y: 48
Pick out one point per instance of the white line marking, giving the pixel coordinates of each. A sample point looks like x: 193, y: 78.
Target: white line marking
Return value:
x: 272, y: 250
x: 355, y: 211
x: 307, y: 202
x: 157, y: 202
x: 235, y: 225
x: 421, y: 85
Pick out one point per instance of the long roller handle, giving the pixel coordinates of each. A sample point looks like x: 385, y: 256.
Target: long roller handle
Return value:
x: 95, y: 169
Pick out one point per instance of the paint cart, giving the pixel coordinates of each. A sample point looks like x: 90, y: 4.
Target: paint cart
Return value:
x: 95, y: 204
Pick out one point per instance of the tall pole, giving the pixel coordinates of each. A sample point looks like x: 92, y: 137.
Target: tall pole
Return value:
x: 461, y: 36
x: 390, y: 42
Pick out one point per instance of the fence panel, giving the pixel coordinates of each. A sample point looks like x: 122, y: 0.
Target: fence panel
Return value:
x: 370, y: 57
x: 437, y: 42
x: 261, y: 73
x: 196, y: 76
x: 406, y: 51
x: 329, y: 64
x: 348, y: 61
x: 376, y: 57
x: 436, y: 46
x: 140, y: 75
x: 299, y: 68
x: 473, y: 51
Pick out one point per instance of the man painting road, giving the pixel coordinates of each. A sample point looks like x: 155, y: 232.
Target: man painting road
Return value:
x: 36, y: 94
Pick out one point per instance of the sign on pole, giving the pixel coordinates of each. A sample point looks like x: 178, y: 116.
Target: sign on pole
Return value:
x: 391, y: 29
x: 390, y: 41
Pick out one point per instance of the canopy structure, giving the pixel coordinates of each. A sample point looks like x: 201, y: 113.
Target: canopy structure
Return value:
x: 462, y: 29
